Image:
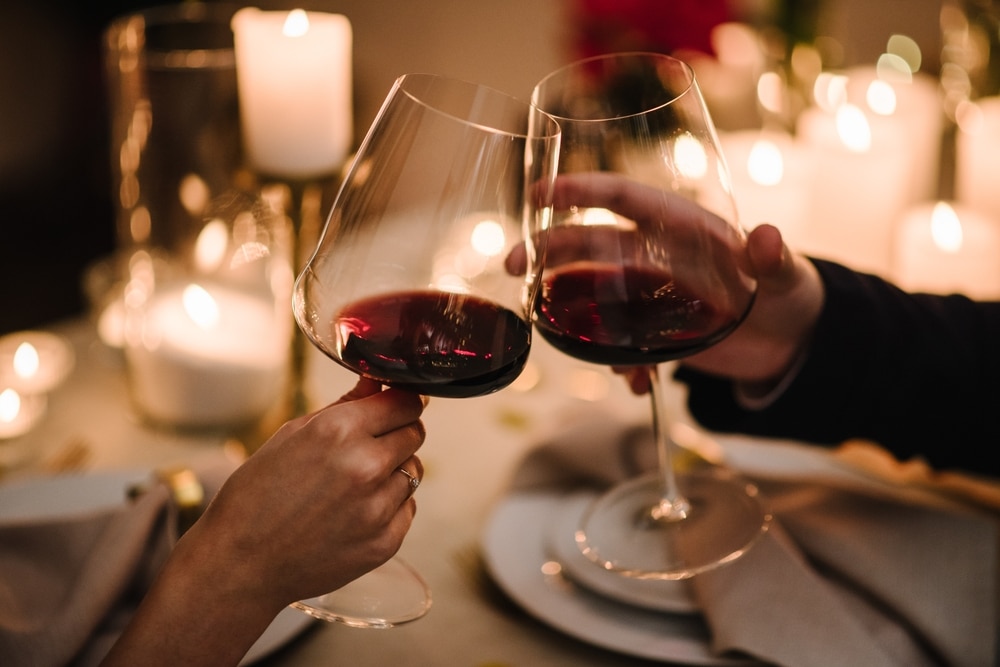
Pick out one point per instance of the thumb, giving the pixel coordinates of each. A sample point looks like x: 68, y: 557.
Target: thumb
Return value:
x: 771, y: 259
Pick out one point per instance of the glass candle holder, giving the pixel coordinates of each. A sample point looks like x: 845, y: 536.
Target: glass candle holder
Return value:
x: 207, y: 328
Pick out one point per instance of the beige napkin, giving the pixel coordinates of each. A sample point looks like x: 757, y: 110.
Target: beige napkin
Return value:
x: 68, y: 585
x: 848, y: 574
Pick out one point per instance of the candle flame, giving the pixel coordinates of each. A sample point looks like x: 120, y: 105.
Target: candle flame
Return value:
x: 765, y: 164
x: 200, y: 306
x: 488, y: 238
x: 830, y: 91
x: 297, y: 23
x: 210, y: 248
x: 771, y: 92
x: 881, y: 98
x: 689, y: 156
x: 26, y: 360
x: 853, y: 128
x: 946, y: 228
x: 10, y: 405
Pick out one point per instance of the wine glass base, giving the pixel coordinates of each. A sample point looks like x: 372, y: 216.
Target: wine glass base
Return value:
x: 390, y: 595
x: 620, y: 533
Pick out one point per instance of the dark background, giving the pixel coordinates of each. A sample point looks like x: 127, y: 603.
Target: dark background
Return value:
x: 56, y: 211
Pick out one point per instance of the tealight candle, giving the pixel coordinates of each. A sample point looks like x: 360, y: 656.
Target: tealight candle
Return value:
x: 942, y: 248
x: 206, y: 356
x: 294, y: 77
x: 19, y: 414
x: 34, y: 362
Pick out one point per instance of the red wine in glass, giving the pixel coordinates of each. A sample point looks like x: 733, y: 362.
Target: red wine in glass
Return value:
x: 432, y: 342
x: 625, y: 315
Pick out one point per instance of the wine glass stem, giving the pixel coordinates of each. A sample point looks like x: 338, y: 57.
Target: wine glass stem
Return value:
x: 673, y: 506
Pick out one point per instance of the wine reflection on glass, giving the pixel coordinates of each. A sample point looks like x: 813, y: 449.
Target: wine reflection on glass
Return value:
x: 646, y: 264
x: 408, y: 284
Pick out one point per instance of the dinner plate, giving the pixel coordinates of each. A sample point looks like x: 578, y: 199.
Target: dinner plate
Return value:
x: 69, y: 495
x: 671, y: 596
x: 515, y: 549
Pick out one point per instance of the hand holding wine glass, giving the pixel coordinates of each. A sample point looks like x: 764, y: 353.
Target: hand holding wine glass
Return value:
x: 789, y: 294
x: 646, y: 264
x: 408, y: 286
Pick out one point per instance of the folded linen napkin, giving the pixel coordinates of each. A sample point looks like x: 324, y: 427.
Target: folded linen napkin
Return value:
x: 848, y: 573
x: 69, y: 584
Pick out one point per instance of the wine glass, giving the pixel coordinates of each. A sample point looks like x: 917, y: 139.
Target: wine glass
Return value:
x: 409, y: 283
x: 646, y: 264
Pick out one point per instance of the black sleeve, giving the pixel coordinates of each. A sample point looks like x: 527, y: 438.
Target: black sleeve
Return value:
x: 918, y: 373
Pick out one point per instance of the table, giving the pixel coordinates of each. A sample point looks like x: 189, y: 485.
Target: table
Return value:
x: 471, y: 450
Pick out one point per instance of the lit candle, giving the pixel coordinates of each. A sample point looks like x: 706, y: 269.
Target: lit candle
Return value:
x: 944, y: 248
x: 34, y: 362
x: 860, y: 187
x: 206, y: 356
x: 771, y: 182
x: 977, y: 160
x: 904, y: 109
x: 19, y: 414
x: 294, y: 77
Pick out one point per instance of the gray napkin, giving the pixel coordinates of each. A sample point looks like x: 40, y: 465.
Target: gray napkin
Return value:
x: 848, y: 574
x: 68, y: 585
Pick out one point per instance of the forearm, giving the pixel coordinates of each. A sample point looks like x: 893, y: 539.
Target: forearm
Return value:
x: 914, y: 372
x: 199, y: 611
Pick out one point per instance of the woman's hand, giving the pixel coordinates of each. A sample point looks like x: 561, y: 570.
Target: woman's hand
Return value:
x: 320, y: 504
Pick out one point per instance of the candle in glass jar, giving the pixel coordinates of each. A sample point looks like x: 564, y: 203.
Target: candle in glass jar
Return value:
x: 34, y: 362
x: 942, y: 248
x: 294, y: 76
x: 206, y: 356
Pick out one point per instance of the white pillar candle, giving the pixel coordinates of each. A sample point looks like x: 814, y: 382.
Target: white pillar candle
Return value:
x: 294, y: 77
x: 204, y: 356
x: 906, y: 110
x: 34, y: 362
x: 771, y: 182
x: 860, y: 186
x: 945, y: 248
x: 977, y: 158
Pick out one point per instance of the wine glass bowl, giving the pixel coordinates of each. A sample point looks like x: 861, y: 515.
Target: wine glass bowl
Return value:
x: 410, y: 283
x: 646, y: 264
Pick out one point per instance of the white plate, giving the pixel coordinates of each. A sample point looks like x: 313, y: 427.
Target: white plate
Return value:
x: 671, y: 596
x: 514, y: 546
x: 78, y: 494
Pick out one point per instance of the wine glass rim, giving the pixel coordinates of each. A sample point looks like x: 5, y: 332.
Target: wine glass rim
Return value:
x: 623, y: 55
x: 551, y: 131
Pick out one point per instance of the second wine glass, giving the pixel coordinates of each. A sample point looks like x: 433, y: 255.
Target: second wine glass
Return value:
x: 410, y: 284
x: 646, y: 264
